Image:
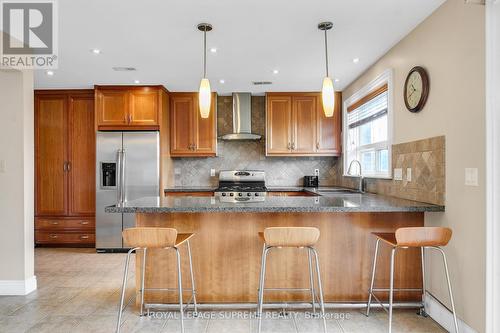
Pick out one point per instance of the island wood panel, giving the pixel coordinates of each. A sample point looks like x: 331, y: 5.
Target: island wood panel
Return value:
x: 226, y: 253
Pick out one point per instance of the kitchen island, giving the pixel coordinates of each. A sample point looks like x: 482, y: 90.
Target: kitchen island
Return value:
x: 226, y: 248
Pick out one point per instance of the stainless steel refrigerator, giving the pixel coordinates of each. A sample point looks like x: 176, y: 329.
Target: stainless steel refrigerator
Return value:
x: 127, y: 168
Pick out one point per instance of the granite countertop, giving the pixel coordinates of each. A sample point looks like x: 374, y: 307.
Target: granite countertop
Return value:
x: 269, y: 188
x: 351, y: 202
x: 191, y: 189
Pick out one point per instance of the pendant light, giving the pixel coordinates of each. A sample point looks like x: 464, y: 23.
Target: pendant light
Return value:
x: 327, y: 92
x: 204, y: 96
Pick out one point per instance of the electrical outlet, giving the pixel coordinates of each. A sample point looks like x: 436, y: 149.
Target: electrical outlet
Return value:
x: 408, y: 174
x: 471, y: 177
x: 2, y: 166
x: 398, y: 174
x: 316, y: 172
x: 212, y: 172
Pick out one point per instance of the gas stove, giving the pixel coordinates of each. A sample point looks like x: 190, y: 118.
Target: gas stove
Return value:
x: 241, y: 186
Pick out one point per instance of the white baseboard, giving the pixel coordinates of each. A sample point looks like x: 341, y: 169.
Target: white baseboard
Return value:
x: 437, y: 311
x: 17, y: 287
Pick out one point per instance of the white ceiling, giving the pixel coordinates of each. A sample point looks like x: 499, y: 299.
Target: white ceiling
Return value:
x: 252, y: 37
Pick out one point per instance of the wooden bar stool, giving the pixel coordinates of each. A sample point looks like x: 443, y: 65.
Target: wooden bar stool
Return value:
x: 297, y: 237
x: 422, y: 237
x: 156, y: 238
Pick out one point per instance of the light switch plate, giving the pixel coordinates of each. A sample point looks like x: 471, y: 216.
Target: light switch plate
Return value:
x: 398, y: 174
x: 316, y: 172
x: 471, y: 177
x: 2, y: 166
x: 408, y: 174
x: 212, y: 172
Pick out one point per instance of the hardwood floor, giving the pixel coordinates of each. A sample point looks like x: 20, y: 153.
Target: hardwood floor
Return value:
x: 78, y: 291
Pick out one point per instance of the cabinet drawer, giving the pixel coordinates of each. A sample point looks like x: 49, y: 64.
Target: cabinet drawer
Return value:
x: 44, y: 237
x: 63, y: 224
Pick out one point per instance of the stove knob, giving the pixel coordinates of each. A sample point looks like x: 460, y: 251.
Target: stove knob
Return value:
x: 223, y: 194
x: 249, y: 194
x: 257, y: 194
x: 240, y: 194
x: 231, y: 194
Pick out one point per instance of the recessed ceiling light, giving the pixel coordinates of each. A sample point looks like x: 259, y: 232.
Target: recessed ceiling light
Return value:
x: 49, y: 73
x: 337, y: 80
x: 137, y: 81
x: 213, y: 50
x: 275, y: 71
x: 355, y: 60
x: 95, y: 51
x: 222, y: 81
x: 124, y: 69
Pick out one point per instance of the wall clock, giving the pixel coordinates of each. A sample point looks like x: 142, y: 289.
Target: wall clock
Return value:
x: 416, y: 89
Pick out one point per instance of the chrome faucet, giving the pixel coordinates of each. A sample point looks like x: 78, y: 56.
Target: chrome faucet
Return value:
x: 360, y: 175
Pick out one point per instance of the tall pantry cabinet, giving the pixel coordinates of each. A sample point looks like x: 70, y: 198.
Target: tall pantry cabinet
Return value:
x: 64, y: 167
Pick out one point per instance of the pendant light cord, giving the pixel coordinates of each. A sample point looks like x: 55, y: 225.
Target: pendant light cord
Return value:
x: 326, y: 53
x: 205, y: 52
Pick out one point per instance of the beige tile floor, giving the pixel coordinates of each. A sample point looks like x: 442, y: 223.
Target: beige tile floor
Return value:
x: 78, y: 291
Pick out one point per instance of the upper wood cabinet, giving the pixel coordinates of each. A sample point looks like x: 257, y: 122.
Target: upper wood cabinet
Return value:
x: 297, y: 126
x: 128, y: 107
x: 191, y: 135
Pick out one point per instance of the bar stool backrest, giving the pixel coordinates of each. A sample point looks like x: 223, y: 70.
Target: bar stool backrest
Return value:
x: 423, y: 236
x: 150, y: 237
x: 291, y: 236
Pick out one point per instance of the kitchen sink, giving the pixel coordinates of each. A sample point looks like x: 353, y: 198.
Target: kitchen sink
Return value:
x: 338, y: 191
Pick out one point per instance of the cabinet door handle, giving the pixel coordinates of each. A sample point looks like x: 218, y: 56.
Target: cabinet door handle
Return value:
x: 53, y: 236
x: 126, y: 119
x: 84, y: 237
x: 293, y: 146
x: 68, y: 167
x: 130, y: 118
x: 65, y: 166
x: 54, y: 222
x: 317, y: 145
x: 289, y: 146
x: 84, y: 222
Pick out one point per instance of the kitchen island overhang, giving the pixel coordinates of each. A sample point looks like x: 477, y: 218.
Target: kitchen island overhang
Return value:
x: 226, y: 248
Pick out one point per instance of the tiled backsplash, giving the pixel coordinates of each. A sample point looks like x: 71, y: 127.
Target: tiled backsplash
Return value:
x: 280, y: 171
x: 426, y: 158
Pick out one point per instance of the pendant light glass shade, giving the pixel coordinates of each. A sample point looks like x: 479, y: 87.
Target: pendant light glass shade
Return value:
x: 204, y: 95
x: 327, y: 91
x: 328, y: 97
x: 204, y: 98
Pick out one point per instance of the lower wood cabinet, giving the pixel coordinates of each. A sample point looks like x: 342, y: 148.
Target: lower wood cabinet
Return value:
x: 65, y: 231
x: 296, y: 125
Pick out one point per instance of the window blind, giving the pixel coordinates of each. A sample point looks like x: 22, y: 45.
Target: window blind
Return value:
x: 370, y: 109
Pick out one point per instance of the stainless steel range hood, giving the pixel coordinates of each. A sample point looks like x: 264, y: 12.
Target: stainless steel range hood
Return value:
x: 242, y: 119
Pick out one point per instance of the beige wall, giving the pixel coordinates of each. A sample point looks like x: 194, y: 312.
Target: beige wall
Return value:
x: 450, y: 45
x: 16, y: 182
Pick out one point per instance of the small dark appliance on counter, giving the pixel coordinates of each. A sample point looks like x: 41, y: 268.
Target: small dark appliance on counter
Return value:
x: 311, y: 181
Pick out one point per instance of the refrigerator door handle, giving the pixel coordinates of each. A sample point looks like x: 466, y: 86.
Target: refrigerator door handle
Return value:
x: 124, y: 164
x: 119, y: 187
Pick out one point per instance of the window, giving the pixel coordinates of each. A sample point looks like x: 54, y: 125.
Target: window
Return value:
x: 367, y: 129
